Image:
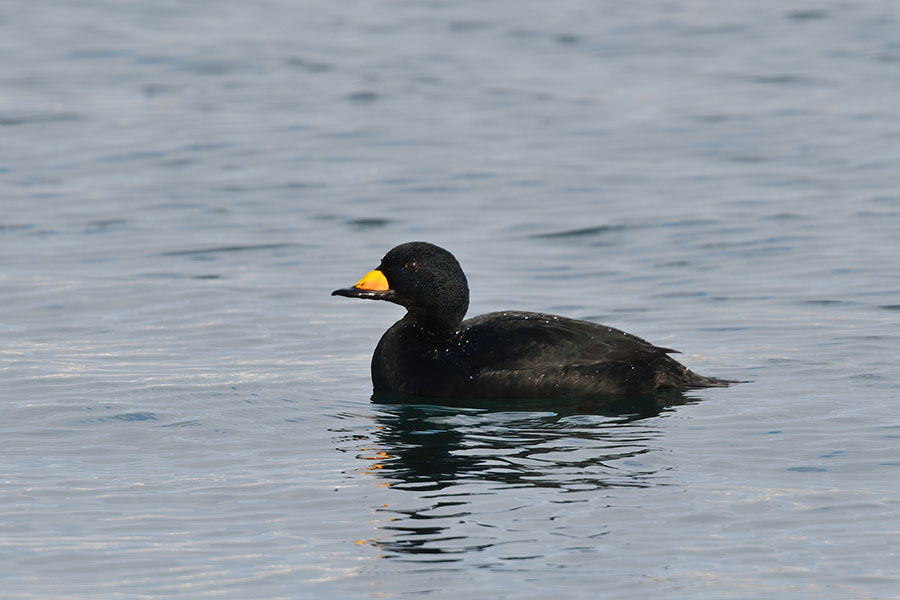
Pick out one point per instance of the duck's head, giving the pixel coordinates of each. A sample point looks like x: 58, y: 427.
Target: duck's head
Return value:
x: 424, y: 278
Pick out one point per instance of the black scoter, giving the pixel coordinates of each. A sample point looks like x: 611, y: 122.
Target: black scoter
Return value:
x: 433, y: 352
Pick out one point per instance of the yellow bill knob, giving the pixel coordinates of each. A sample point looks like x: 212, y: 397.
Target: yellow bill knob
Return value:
x: 374, y: 281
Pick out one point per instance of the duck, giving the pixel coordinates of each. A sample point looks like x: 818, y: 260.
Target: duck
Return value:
x: 435, y: 352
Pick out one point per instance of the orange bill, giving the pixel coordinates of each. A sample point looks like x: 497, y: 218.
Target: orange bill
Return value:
x: 373, y: 281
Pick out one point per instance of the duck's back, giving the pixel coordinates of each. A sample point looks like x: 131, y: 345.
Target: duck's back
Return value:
x: 523, y: 340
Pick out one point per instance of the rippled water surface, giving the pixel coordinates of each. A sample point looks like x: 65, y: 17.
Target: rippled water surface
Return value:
x: 187, y: 411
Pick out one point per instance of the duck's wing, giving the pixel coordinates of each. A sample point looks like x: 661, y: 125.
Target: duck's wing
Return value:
x: 526, y: 340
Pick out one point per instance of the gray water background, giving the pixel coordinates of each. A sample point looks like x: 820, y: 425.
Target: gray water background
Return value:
x: 186, y: 410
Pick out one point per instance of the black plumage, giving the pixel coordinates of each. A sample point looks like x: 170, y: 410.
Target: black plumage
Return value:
x: 433, y: 352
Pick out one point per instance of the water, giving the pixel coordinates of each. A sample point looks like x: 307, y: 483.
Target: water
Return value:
x: 187, y: 410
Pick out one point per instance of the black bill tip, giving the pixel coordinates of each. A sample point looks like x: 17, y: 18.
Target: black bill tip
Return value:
x: 354, y: 292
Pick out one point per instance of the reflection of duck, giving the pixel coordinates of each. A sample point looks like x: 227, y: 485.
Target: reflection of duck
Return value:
x: 457, y: 467
x: 434, y: 447
x: 432, y: 352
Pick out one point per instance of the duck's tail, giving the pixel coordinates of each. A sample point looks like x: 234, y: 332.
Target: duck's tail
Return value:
x: 695, y: 380
x: 680, y: 376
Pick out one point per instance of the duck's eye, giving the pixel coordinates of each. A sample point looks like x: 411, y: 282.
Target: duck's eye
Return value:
x: 410, y: 266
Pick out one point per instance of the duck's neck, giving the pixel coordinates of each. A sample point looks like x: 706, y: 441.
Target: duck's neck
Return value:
x: 433, y: 323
